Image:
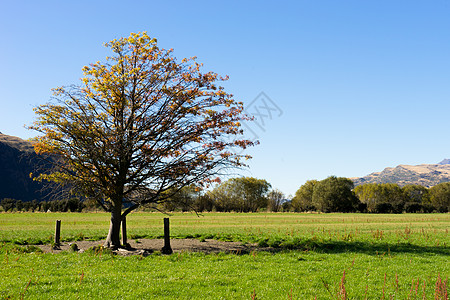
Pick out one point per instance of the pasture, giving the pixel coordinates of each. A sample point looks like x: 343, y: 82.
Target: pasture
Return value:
x: 311, y: 256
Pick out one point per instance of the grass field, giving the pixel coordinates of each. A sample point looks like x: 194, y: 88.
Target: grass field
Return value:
x: 320, y: 256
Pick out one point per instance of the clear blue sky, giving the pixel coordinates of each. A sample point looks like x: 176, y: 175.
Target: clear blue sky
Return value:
x: 360, y: 85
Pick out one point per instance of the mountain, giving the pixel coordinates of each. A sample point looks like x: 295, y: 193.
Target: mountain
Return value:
x: 427, y: 175
x: 17, y: 161
x: 446, y: 161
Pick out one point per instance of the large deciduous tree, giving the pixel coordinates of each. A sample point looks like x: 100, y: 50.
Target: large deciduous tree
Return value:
x: 334, y: 194
x: 302, y: 200
x: 275, y: 199
x: 140, y: 124
x: 243, y: 194
x: 377, y: 195
x: 440, y: 196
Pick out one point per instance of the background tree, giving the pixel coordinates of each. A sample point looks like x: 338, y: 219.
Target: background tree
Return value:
x: 242, y: 194
x: 368, y: 194
x: 204, y: 202
x: 302, y: 200
x: 374, y: 194
x: 417, y: 198
x: 416, y: 193
x: 275, y: 199
x: 139, y: 125
x: 224, y: 197
x: 335, y: 194
x: 19, y: 205
x: 394, y: 195
x: 440, y: 196
x: 8, y: 204
x: 180, y: 199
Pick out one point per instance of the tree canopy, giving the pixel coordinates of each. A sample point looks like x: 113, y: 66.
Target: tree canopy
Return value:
x: 334, y: 194
x: 440, y: 196
x: 140, y: 124
x: 302, y: 200
x: 385, y: 197
x: 242, y: 194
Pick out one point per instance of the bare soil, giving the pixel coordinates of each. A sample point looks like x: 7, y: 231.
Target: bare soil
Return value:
x: 147, y: 246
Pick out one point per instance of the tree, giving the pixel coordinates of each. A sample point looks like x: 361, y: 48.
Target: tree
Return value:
x: 19, y: 205
x: 140, y: 124
x: 204, y: 202
x: 302, y: 200
x: 373, y: 194
x: 394, y: 195
x: 367, y: 194
x: 416, y: 193
x: 275, y: 199
x: 417, y: 198
x: 8, y: 204
x: 334, y: 194
x: 440, y: 196
x: 242, y: 194
x: 183, y: 199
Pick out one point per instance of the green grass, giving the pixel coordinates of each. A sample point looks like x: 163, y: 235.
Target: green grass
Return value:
x: 428, y: 229
x: 383, y: 257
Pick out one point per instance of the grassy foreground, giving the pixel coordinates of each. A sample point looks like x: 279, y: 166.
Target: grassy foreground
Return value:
x: 321, y: 256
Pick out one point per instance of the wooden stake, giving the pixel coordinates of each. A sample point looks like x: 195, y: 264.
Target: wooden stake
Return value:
x: 57, y: 234
x: 166, y: 249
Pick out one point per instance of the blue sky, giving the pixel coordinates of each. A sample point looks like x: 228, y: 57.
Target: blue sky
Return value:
x: 358, y: 85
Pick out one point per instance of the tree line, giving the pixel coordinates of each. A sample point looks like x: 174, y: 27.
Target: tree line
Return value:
x: 338, y: 195
x: 64, y: 205
x: 244, y: 194
x: 333, y: 194
x: 248, y: 194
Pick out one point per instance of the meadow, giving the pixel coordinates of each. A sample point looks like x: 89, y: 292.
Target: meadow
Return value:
x: 312, y: 256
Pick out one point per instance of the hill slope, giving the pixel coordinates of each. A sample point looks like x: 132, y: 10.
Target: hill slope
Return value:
x: 427, y: 175
x: 17, y: 161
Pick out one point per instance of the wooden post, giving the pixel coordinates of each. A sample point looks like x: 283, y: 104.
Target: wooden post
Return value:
x: 166, y: 249
x: 124, y: 233
x: 57, y: 234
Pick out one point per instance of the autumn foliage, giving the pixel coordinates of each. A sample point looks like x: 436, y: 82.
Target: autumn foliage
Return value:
x: 140, y: 124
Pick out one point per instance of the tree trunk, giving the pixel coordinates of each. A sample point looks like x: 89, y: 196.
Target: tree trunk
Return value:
x: 113, y: 238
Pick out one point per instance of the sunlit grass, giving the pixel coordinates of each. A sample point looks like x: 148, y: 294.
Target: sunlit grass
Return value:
x: 383, y: 257
x: 305, y: 275
x: 426, y: 228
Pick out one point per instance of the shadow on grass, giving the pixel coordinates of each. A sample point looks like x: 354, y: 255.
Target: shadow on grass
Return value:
x: 276, y: 244
x: 351, y: 246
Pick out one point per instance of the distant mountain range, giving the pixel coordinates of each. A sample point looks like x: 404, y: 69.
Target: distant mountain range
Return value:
x: 427, y: 175
x: 17, y: 161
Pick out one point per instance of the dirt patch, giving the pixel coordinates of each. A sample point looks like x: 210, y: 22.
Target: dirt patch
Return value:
x: 147, y: 246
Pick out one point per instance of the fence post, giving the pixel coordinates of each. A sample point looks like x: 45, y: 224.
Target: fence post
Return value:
x: 124, y: 233
x: 57, y: 234
x: 166, y: 249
